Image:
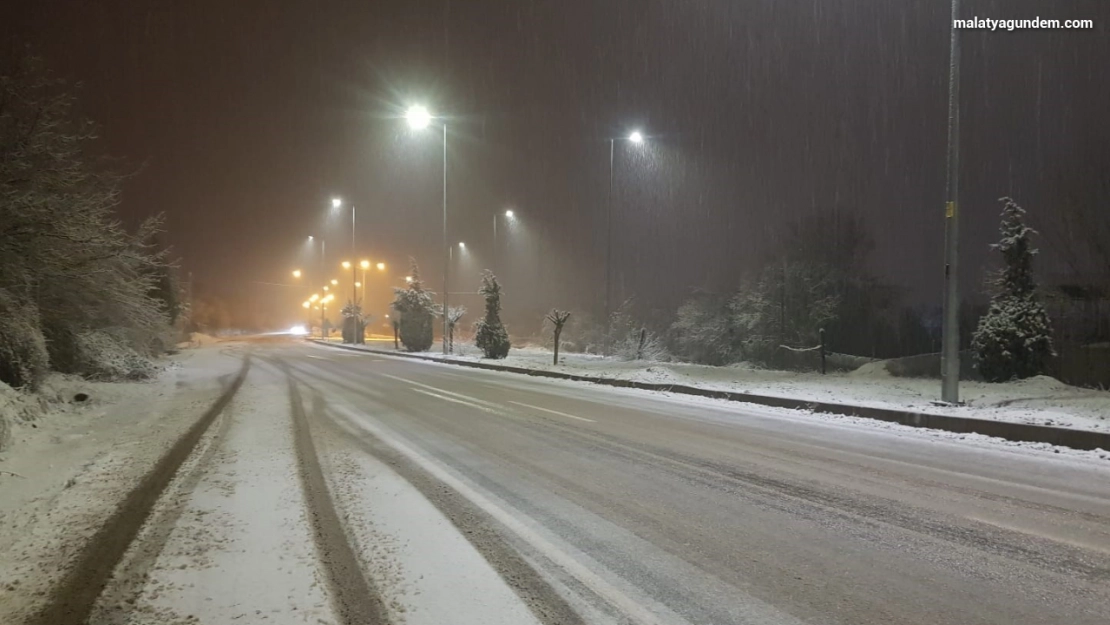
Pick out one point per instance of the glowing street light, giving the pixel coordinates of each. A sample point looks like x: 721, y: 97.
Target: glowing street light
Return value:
x: 358, y: 285
x: 314, y: 297
x: 418, y: 117
x: 325, y: 287
x: 334, y: 282
x: 307, y: 304
x: 364, y: 264
x: 636, y: 137
x: 509, y: 213
x: 336, y: 202
x: 346, y: 264
x: 381, y: 266
x: 462, y: 245
x: 408, y: 278
x: 296, y: 273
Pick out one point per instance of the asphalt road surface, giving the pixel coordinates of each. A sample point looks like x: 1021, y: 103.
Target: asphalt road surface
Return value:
x: 611, y: 505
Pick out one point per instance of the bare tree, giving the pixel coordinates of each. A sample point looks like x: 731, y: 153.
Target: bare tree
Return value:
x: 557, y: 318
x: 454, y: 314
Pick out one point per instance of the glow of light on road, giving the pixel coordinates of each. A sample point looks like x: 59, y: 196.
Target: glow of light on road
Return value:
x: 298, y: 331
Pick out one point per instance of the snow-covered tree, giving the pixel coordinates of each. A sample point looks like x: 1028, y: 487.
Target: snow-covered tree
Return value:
x: 416, y: 308
x: 786, y: 304
x: 703, y: 331
x: 61, y: 246
x: 1014, y: 338
x: 354, y: 323
x: 490, y: 334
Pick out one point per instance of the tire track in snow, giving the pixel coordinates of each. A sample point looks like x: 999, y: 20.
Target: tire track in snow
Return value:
x: 72, y: 600
x: 356, y: 600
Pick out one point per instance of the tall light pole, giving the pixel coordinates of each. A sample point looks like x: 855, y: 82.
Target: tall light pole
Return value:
x: 637, y: 138
x: 950, y: 336
x: 419, y: 118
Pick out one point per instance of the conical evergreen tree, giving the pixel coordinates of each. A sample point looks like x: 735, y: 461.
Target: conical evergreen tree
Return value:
x: 490, y: 334
x: 1014, y: 338
x: 416, y: 308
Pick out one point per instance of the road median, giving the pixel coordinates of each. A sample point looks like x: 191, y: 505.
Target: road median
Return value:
x: 1017, y: 432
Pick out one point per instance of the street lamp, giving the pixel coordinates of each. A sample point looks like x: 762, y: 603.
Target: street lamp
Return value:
x: 381, y: 266
x: 346, y: 264
x: 636, y: 138
x: 334, y: 282
x: 296, y: 273
x: 418, y: 118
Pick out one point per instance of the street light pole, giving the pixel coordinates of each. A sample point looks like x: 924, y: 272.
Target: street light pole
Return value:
x: 609, y: 238
x: 418, y: 118
x: 950, y: 339
x: 446, y: 249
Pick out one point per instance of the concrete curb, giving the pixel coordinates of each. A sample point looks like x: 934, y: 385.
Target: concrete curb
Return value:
x: 1019, y: 432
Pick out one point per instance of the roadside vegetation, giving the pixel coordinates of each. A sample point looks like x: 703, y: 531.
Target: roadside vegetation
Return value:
x: 78, y: 293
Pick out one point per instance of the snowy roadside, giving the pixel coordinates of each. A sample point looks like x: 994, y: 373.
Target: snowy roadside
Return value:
x: 1036, y: 401
x: 76, y: 462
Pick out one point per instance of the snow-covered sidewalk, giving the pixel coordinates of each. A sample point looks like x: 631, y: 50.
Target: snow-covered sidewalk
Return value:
x: 1038, y: 401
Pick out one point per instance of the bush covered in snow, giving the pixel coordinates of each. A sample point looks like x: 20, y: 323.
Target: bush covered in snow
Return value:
x: 416, y: 308
x: 23, y: 357
x: 1014, y: 338
x: 490, y: 334
x: 628, y: 339
x: 104, y: 356
x: 704, y: 332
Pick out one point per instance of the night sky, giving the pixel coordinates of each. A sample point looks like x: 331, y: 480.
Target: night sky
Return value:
x: 248, y: 116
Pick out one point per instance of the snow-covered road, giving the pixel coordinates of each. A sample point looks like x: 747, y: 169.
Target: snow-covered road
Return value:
x: 339, y: 488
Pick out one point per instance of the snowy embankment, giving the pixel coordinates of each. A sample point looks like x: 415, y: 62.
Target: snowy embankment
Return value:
x: 1039, y: 401
x: 70, y: 462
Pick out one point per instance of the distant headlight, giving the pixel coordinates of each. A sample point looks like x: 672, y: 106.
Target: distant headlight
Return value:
x: 298, y: 331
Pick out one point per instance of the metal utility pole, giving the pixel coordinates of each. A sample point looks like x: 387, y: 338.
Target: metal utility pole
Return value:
x: 446, y: 248
x: 323, y: 272
x: 495, y: 254
x: 950, y: 346
x: 609, y: 240
x: 354, y: 272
